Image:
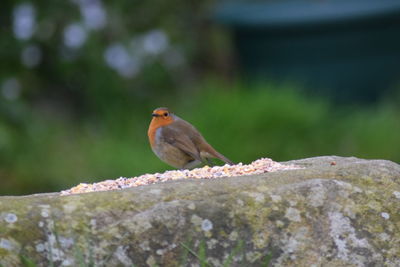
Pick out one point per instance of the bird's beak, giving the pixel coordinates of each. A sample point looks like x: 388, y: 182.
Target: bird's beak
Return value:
x: 154, y: 115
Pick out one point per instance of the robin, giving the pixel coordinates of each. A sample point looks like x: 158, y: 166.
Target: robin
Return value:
x: 178, y: 143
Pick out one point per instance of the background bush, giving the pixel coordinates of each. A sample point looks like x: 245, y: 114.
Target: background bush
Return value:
x: 76, y: 111
x: 242, y: 122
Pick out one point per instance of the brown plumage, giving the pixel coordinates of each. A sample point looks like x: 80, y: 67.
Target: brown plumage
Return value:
x: 178, y: 143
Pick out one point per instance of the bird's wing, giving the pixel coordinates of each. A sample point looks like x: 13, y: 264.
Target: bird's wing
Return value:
x: 175, y: 135
x: 200, y: 143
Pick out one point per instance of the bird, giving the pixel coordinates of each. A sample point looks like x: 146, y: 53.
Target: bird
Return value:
x: 178, y: 143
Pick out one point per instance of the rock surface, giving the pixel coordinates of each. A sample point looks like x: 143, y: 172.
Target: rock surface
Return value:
x: 335, y: 212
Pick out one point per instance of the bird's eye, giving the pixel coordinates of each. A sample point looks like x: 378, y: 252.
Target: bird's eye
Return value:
x: 166, y: 114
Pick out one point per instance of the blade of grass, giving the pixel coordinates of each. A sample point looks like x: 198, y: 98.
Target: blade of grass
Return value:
x: 234, y: 252
x: 79, y: 257
x: 267, y: 259
x: 202, y: 254
x: 203, y: 262
x: 185, y: 254
x: 26, y: 262
x: 90, y: 248
x: 51, y: 263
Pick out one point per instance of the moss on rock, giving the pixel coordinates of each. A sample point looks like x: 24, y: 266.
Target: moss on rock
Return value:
x: 334, y: 212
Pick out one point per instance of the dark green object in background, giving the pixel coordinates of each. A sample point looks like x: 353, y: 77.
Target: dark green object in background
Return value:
x: 348, y: 49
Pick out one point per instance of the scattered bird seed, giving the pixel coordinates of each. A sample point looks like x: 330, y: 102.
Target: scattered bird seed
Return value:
x: 259, y: 166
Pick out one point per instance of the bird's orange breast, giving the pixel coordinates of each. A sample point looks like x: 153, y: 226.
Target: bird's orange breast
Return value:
x: 156, y: 123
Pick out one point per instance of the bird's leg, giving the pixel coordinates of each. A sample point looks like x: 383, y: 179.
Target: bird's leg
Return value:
x: 209, y: 162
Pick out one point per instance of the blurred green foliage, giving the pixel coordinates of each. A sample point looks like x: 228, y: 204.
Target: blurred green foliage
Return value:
x: 243, y: 122
x: 76, y: 73
x: 71, y: 59
x: 76, y: 96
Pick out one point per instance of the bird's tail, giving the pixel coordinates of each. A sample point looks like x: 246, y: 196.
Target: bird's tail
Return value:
x: 212, y: 153
x: 223, y: 158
